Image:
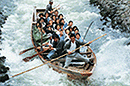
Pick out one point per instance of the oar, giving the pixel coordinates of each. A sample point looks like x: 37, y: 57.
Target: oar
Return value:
x: 57, y: 57
x: 29, y: 49
x: 28, y: 58
x: 56, y: 6
x: 88, y: 30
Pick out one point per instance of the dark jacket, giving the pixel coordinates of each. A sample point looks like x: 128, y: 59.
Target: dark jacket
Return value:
x: 59, y: 46
x: 49, y: 8
x: 78, y: 43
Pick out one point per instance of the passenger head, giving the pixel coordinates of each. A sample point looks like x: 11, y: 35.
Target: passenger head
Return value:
x: 42, y: 20
x: 61, y: 24
x: 62, y: 21
x: 74, y: 28
x: 57, y: 21
x: 51, y: 22
x: 39, y: 25
x: 67, y: 31
x: 54, y: 17
x: 51, y: 2
x: 61, y: 33
x: 76, y: 31
x: 49, y: 28
x: 46, y: 14
x: 70, y: 23
x: 41, y: 15
x: 72, y: 37
x: 60, y: 16
x: 56, y: 37
x: 70, y: 29
x: 56, y: 13
x: 77, y: 35
x: 58, y: 27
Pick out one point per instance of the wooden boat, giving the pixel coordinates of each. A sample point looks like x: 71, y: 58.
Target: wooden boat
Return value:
x: 78, y: 69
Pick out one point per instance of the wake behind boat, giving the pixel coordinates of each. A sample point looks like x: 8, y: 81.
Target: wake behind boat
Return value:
x: 78, y: 69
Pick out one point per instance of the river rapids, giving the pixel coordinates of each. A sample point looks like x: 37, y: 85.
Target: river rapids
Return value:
x: 113, y: 55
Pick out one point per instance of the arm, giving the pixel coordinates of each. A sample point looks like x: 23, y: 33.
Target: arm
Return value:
x: 66, y: 47
x: 81, y: 43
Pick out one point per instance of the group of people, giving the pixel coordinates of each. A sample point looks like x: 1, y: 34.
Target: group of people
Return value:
x: 58, y: 36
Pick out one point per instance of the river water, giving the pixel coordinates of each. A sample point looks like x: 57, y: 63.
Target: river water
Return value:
x: 113, y: 56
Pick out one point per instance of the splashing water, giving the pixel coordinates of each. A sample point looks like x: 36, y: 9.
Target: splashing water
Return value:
x: 113, y: 66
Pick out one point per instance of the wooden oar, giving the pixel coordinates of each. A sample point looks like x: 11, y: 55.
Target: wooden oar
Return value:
x: 57, y: 58
x: 88, y: 30
x: 29, y: 49
x: 56, y: 6
x: 28, y: 58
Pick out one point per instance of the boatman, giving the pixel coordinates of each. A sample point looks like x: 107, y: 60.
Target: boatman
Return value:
x: 56, y: 48
x: 49, y: 6
x: 69, y: 47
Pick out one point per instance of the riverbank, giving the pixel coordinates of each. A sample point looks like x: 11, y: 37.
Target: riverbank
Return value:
x: 115, y: 13
x: 3, y: 68
x: 5, y: 10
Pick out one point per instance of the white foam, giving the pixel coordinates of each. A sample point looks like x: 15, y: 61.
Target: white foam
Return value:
x: 112, y: 56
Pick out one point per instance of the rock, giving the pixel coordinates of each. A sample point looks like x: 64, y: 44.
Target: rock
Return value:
x: 2, y: 59
x: 0, y: 32
x: 0, y: 12
x: 115, y: 12
x: 4, y: 78
x: 3, y: 69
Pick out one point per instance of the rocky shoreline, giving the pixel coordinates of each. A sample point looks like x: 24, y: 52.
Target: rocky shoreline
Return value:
x: 115, y: 13
x: 3, y: 68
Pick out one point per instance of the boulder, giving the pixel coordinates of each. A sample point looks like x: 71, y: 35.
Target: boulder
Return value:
x: 3, y: 69
x: 4, y: 78
x: 2, y: 59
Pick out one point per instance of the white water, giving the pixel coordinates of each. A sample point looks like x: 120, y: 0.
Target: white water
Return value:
x: 113, y: 67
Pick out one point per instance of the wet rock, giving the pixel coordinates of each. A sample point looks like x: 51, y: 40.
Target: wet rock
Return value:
x: 2, y: 59
x: 116, y: 12
x: 0, y: 31
x: 127, y: 42
x: 4, y: 70
x: 4, y: 78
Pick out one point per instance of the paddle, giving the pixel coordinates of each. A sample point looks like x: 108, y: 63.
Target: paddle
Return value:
x: 28, y: 58
x: 57, y: 57
x: 56, y: 7
x: 29, y: 49
x: 88, y: 30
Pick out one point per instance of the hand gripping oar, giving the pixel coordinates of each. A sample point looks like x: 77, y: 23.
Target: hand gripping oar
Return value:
x: 88, y: 30
x: 28, y: 58
x: 29, y: 49
x: 57, y: 57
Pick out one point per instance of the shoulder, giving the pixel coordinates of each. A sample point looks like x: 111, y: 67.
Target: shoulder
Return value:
x: 68, y: 42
